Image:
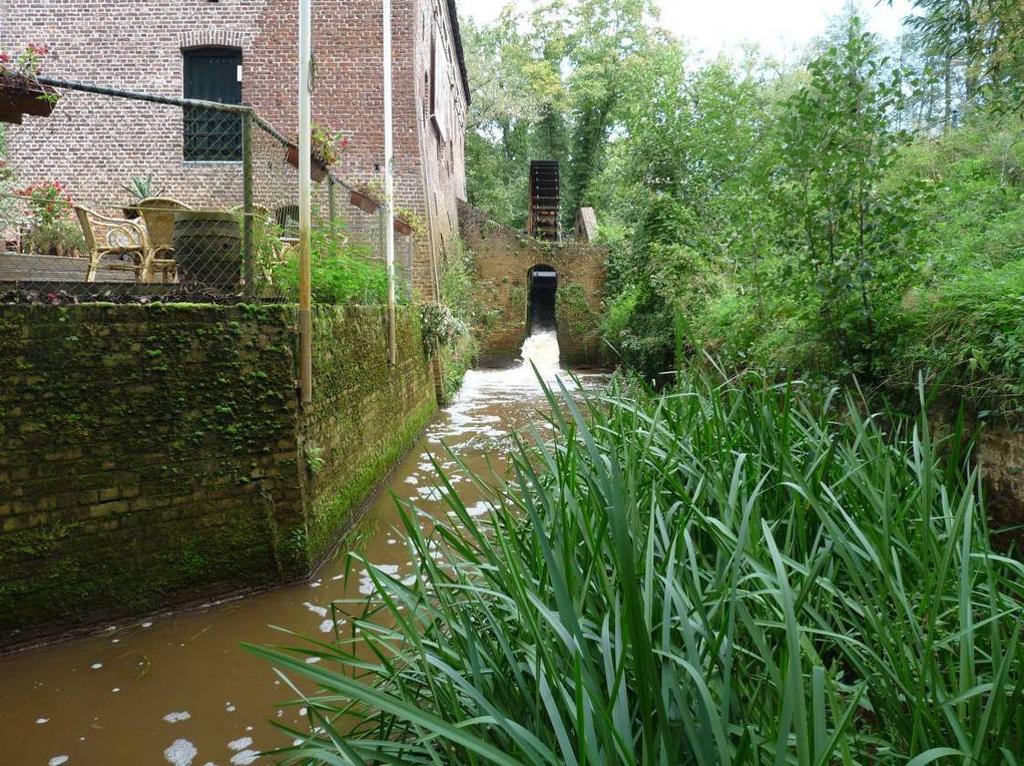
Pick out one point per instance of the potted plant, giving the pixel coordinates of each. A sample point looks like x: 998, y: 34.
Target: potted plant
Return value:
x: 363, y: 200
x: 328, y: 146
x: 50, y: 229
x: 139, y: 188
x: 20, y: 91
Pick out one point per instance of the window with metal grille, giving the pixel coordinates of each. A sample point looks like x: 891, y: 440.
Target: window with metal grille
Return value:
x: 213, y: 74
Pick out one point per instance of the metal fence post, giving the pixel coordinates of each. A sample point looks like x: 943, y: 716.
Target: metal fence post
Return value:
x: 332, y: 201
x: 248, y: 248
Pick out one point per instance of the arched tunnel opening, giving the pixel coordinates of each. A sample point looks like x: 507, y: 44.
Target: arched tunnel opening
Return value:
x: 543, y: 288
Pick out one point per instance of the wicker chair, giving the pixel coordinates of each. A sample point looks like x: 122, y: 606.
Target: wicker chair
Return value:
x: 112, y: 237
x: 158, y: 215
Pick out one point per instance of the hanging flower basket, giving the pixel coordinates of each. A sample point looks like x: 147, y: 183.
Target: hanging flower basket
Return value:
x: 317, y: 169
x: 20, y: 95
x: 403, y: 228
x: 364, y: 202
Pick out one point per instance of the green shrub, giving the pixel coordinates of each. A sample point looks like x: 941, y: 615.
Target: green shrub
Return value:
x: 342, y: 271
x: 969, y: 334
x: 721, y: 575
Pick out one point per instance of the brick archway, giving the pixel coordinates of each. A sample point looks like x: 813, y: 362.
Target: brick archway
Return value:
x: 504, y: 259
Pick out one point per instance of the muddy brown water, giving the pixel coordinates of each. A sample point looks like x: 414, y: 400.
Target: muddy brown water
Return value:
x: 179, y: 689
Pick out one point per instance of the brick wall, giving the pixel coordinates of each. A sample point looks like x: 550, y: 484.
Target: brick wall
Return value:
x: 503, y: 259
x: 152, y: 455
x: 97, y: 143
x: 147, y: 454
x: 364, y: 412
x: 1000, y: 453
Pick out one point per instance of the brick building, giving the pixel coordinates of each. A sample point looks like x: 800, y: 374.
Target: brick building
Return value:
x: 96, y: 144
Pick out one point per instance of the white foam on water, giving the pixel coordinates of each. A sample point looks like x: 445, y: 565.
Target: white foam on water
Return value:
x: 542, y: 350
x: 245, y: 757
x: 320, y: 611
x: 57, y: 760
x: 366, y: 586
x: 240, y: 744
x: 180, y: 753
x: 183, y: 715
x: 478, y: 509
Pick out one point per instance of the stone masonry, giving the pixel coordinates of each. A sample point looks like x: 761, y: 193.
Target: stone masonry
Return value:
x: 154, y: 455
x: 503, y: 258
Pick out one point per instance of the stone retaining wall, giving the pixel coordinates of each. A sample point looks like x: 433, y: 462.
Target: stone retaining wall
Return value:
x: 154, y: 455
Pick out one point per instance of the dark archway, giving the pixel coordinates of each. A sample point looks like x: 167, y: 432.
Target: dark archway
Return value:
x: 540, y: 309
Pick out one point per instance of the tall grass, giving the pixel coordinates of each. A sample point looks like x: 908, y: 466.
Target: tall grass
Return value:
x: 720, y: 575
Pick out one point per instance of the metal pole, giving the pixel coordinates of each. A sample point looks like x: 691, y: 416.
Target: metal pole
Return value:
x: 332, y: 201
x: 389, y: 185
x: 305, y: 188
x: 248, y: 269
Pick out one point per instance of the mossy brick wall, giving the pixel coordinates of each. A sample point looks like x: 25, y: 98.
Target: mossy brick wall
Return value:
x: 364, y: 414
x: 154, y: 455
x: 147, y: 454
x: 1000, y: 453
x: 503, y: 259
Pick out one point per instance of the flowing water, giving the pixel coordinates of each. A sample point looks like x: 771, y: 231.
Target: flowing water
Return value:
x: 179, y: 689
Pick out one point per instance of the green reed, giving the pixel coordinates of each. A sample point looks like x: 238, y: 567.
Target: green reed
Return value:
x: 723, y: 574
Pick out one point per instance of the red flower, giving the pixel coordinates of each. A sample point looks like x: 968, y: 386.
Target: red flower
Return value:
x: 5, y: 57
x: 39, y: 50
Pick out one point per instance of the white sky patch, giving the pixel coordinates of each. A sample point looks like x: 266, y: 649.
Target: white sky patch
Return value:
x: 777, y: 27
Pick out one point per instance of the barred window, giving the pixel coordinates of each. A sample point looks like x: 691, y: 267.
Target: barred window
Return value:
x: 213, y: 74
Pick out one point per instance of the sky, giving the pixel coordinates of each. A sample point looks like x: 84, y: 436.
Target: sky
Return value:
x: 778, y: 27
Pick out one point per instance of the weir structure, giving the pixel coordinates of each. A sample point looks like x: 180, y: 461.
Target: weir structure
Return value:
x: 538, y: 280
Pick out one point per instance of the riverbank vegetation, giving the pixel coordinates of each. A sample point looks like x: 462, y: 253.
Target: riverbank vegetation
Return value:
x: 841, y: 216
x: 726, y: 573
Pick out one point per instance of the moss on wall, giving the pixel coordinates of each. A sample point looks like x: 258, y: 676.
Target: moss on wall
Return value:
x: 365, y: 413
x: 151, y: 455
x: 147, y: 455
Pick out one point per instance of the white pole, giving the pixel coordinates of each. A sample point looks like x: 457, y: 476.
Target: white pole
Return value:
x: 305, y: 218
x: 389, y: 184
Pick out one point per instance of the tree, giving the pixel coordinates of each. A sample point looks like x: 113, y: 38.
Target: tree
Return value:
x: 853, y: 240
x: 982, y: 38
x: 552, y: 91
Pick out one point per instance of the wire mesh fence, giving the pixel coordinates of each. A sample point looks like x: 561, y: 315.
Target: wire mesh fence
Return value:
x: 129, y: 197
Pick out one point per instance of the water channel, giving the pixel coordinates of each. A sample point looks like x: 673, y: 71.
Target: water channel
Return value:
x: 179, y: 689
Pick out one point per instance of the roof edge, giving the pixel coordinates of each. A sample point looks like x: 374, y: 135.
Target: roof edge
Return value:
x: 460, y: 53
